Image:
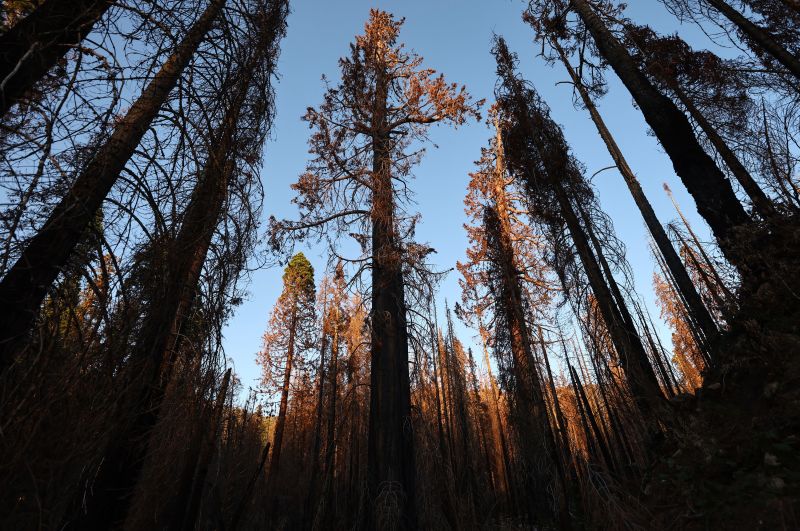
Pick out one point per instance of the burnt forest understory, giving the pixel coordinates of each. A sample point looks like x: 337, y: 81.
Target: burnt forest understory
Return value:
x: 134, y: 167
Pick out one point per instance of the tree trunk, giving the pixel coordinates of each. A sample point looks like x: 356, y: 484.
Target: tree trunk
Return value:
x: 528, y: 408
x: 694, y: 303
x: 761, y: 202
x: 280, y: 423
x: 713, y: 194
x: 248, y: 491
x: 390, y: 461
x: 633, y: 357
x: 25, y: 285
x: 759, y: 36
x: 39, y: 41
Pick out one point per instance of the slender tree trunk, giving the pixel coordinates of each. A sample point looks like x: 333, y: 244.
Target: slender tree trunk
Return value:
x: 761, y: 202
x: 694, y: 303
x: 330, y: 442
x: 39, y: 41
x: 759, y: 36
x: 598, y: 434
x: 25, y: 285
x: 713, y: 194
x: 528, y: 408
x: 311, y: 497
x: 633, y: 357
x: 505, y: 460
x: 390, y: 461
x: 280, y: 423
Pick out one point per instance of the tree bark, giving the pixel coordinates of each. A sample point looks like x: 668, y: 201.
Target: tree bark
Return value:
x: 390, y: 461
x: 713, y: 194
x: 24, y: 287
x: 207, y: 450
x: 759, y: 36
x: 39, y: 41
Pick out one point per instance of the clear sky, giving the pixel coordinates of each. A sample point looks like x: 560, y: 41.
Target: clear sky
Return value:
x: 454, y: 37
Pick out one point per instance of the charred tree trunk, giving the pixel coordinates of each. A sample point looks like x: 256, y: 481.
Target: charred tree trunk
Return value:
x: 712, y: 192
x: 758, y: 36
x: 153, y: 355
x: 25, y: 285
x: 638, y: 371
x: 528, y: 407
x: 390, y: 461
x: 248, y: 491
x: 207, y: 449
x: 761, y: 202
x: 280, y: 423
x: 39, y: 41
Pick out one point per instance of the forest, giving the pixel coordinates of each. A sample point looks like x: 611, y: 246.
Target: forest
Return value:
x: 135, y: 180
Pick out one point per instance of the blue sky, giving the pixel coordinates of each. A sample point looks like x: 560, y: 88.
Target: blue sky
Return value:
x: 454, y: 37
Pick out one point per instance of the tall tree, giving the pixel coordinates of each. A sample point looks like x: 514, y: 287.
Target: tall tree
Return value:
x: 158, y: 341
x: 385, y: 102
x: 505, y: 275
x: 289, y: 335
x: 759, y: 36
x: 697, y: 77
x: 688, y: 292
x: 538, y: 156
x: 26, y: 283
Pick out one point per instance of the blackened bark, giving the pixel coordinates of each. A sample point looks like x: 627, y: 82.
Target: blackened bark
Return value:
x: 280, y: 423
x: 205, y: 455
x: 761, y: 202
x: 633, y: 357
x: 712, y: 192
x: 248, y: 491
x: 39, y: 41
x: 24, y: 287
x: 390, y: 461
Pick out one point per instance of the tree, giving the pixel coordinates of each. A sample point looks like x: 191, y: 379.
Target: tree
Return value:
x: 26, y: 283
x: 705, y: 326
x: 538, y: 157
x: 239, y: 136
x: 701, y: 79
x: 506, y: 279
x: 356, y: 185
x: 289, y: 335
x: 716, y: 201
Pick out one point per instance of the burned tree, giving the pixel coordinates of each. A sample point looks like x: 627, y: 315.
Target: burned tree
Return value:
x: 384, y: 103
